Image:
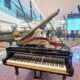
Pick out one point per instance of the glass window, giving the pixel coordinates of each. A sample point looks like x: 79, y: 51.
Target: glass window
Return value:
x: 19, y: 14
x: 8, y: 3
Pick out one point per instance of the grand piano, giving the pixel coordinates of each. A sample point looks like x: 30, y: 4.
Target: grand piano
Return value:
x: 40, y: 54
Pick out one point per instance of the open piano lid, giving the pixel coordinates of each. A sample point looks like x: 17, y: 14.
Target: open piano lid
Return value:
x: 28, y: 36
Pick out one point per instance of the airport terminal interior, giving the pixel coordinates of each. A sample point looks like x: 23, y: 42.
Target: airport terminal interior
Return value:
x: 39, y: 39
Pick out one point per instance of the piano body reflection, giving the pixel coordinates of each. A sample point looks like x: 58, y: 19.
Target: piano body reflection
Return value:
x: 40, y: 54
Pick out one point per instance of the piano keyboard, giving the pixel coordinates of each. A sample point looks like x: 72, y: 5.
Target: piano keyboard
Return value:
x: 49, y: 64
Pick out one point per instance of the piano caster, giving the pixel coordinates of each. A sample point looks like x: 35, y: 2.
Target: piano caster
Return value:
x: 37, y: 75
x: 17, y: 73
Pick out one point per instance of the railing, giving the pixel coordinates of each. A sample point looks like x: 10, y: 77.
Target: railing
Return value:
x: 6, y: 10
x: 13, y: 10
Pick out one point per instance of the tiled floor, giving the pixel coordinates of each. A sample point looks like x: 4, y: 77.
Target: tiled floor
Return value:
x: 8, y: 73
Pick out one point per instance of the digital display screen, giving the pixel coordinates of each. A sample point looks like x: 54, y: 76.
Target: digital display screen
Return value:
x: 73, y: 24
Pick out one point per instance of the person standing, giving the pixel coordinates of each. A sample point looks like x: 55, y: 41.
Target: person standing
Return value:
x: 40, y: 32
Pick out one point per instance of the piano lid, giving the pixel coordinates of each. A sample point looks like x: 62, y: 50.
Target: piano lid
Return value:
x: 28, y: 37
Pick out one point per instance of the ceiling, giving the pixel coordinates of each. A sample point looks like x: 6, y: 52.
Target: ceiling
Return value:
x: 46, y: 7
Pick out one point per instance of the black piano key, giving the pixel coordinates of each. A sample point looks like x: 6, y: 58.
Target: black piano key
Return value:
x: 16, y: 57
x: 61, y: 63
x: 52, y: 62
x: 22, y: 58
x: 56, y: 62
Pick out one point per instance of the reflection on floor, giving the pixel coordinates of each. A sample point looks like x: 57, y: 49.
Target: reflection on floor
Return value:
x: 7, y: 73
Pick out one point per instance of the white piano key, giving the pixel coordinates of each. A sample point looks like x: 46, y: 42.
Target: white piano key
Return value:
x: 42, y: 62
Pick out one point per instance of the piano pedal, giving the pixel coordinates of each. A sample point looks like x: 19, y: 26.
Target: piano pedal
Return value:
x: 37, y: 79
x: 37, y: 75
x: 64, y: 77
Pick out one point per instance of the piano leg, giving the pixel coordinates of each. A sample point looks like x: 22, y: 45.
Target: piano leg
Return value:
x: 64, y: 77
x: 37, y: 75
x: 17, y: 73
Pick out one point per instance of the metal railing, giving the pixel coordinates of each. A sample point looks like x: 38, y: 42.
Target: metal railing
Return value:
x: 13, y: 10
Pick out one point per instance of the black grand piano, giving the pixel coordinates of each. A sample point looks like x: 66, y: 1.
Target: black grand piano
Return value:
x: 40, y: 54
